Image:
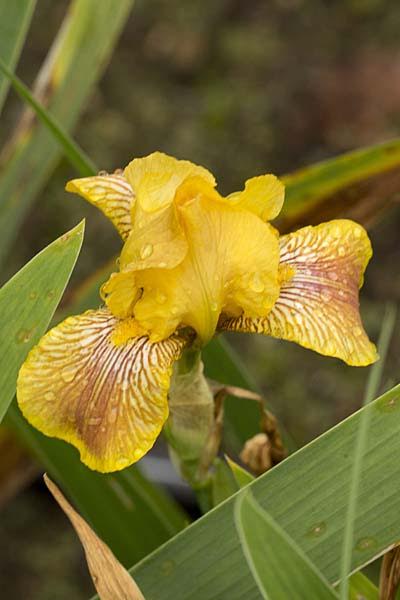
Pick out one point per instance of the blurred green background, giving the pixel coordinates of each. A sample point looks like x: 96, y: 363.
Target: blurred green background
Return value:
x: 244, y: 89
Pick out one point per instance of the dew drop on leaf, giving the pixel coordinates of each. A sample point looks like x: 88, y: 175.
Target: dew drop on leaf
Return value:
x: 318, y: 529
x: 365, y: 543
x: 23, y: 336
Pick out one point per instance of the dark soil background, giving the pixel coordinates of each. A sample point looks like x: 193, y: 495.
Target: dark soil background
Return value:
x: 243, y: 88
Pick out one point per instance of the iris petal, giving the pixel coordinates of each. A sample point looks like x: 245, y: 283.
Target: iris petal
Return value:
x: 231, y: 266
x: 322, y: 269
x: 90, y: 383
x: 156, y: 177
x: 262, y: 196
x: 112, y: 194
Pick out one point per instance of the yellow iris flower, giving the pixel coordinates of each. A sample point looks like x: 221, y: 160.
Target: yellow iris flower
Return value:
x: 193, y: 263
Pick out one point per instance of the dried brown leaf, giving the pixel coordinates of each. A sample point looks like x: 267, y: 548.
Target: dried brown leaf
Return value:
x: 111, y: 579
x: 390, y: 575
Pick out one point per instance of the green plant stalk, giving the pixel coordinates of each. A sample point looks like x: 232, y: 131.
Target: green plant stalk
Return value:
x: 373, y: 384
x: 193, y: 443
x: 76, y: 156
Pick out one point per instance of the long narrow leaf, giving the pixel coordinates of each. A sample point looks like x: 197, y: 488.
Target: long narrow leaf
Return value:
x: 278, y: 565
x: 307, y: 496
x: 27, y: 304
x: 373, y: 384
x: 76, y: 61
x: 15, y: 18
x: 77, y: 157
x: 361, y: 588
x: 359, y: 184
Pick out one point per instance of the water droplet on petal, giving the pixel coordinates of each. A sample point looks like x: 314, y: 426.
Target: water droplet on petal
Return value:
x: 93, y: 421
x: 333, y: 275
x: 341, y: 250
x: 49, y: 396
x: 298, y: 318
x: 146, y: 251
x: 99, y: 190
x: 68, y: 374
x: 256, y: 284
x: 112, y: 415
x: 161, y: 298
x: 214, y: 306
x: 122, y: 462
x: 325, y: 295
x: 162, y: 265
x: 124, y: 385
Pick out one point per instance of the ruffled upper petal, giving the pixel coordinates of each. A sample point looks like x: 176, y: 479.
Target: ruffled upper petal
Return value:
x: 231, y: 266
x: 155, y: 178
x: 157, y: 239
x: 93, y: 382
x: 263, y: 196
x: 112, y: 194
x: 321, y: 269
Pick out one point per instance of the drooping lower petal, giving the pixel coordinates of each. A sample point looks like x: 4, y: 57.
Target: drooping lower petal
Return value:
x: 90, y: 383
x: 322, y: 269
x: 112, y: 194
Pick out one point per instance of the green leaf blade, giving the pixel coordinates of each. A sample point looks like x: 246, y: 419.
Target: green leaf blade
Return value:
x: 279, y: 567
x: 307, y: 496
x: 15, y: 18
x: 242, y: 477
x: 361, y: 588
x: 75, y: 62
x: 373, y: 383
x: 28, y: 302
x: 359, y: 184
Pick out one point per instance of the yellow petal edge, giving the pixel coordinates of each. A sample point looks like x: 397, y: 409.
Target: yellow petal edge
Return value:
x: 322, y: 269
x: 106, y: 397
x: 112, y: 194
